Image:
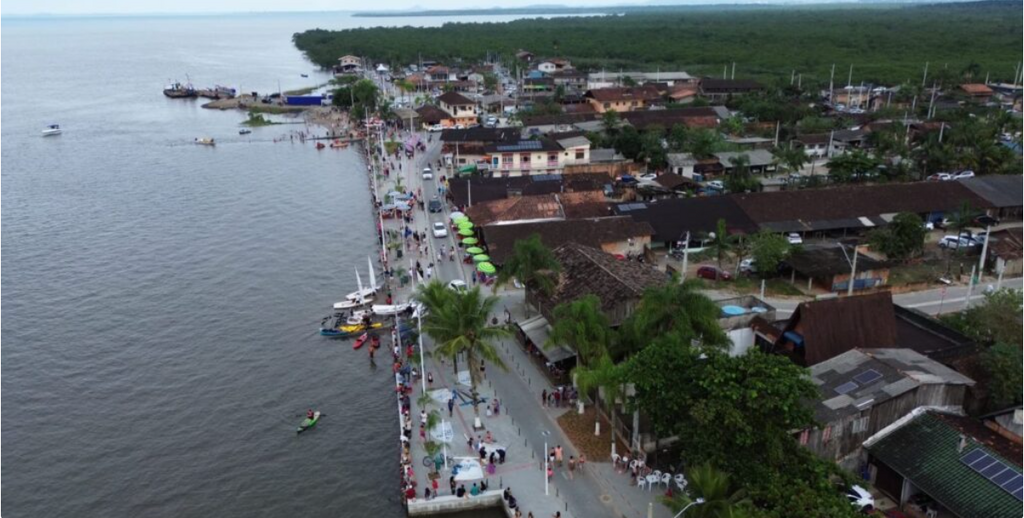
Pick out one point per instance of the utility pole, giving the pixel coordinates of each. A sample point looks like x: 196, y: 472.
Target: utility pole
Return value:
x: 686, y: 256
x: 546, y: 468
x: 831, y: 83
x: 853, y: 272
x: 777, y: 127
x: 849, y: 79
x: 924, y: 80
x: 970, y: 288
x: 733, y: 70
x: 984, y: 249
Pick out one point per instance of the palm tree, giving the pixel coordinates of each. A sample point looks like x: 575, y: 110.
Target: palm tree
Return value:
x: 719, y: 496
x: 676, y: 308
x: 533, y: 264
x: 604, y: 376
x: 460, y: 326
x: 722, y: 243
x: 582, y: 325
x: 405, y: 86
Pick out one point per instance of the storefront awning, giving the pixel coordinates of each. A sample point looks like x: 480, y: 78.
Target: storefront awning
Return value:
x: 537, y: 329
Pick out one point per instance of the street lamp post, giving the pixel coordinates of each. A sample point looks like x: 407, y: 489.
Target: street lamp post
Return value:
x: 698, y: 501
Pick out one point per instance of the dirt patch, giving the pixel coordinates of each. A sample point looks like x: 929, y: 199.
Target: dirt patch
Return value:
x: 580, y: 429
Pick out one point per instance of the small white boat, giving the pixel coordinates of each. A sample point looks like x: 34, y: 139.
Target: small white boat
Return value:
x: 356, y: 299
x: 51, y: 130
x: 352, y: 304
x: 357, y: 317
x: 365, y: 292
x: 244, y: 131
x: 393, y: 309
x: 206, y: 141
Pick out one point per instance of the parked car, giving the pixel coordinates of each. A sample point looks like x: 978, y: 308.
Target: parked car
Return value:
x: 713, y: 273
x: 956, y: 242
x: 748, y: 266
x: 428, y: 174
x: 458, y: 286
x: 860, y: 498
x: 435, y: 128
x: 716, y: 185
x: 440, y: 230
x: 964, y: 174
x: 985, y: 220
x: 794, y: 238
x: 940, y: 177
x: 434, y: 205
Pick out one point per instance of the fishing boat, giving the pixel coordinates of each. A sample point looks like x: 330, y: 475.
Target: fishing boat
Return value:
x: 339, y: 144
x: 244, y: 131
x: 361, y: 340
x: 309, y: 422
x: 206, y: 141
x: 51, y: 130
x: 178, y: 90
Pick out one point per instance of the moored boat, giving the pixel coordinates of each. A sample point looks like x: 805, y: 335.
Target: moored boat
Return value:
x: 206, y: 141
x: 178, y: 90
x: 361, y: 340
x: 52, y: 130
x: 244, y: 131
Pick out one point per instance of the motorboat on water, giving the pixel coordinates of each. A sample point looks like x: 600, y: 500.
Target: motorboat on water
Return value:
x: 206, y: 141
x: 244, y: 131
x: 52, y: 130
x: 178, y: 90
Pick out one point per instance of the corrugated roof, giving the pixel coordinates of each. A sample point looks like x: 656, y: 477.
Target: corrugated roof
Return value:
x: 831, y: 327
x: 633, y: 93
x: 594, y: 232
x: 1000, y: 191
x: 926, y: 451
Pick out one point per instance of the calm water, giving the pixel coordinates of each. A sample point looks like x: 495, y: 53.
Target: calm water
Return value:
x: 160, y: 299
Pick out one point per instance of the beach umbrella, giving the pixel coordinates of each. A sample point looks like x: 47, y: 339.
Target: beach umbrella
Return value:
x: 486, y: 267
x: 460, y: 220
x: 481, y: 258
x: 465, y: 224
x: 467, y: 232
x: 470, y: 241
x: 473, y: 250
x: 456, y: 215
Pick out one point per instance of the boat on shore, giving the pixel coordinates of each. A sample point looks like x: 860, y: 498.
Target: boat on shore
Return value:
x: 339, y: 144
x: 367, y: 291
x: 178, y: 90
x: 52, y: 130
x: 206, y: 141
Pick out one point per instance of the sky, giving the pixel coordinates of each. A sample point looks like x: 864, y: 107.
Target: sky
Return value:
x: 23, y: 7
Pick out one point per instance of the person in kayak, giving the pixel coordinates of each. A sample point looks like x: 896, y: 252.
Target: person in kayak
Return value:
x: 309, y: 414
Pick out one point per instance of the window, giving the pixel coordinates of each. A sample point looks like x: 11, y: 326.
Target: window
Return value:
x: 607, y: 105
x: 580, y: 154
x: 552, y: 159
x: 524, y: 160
x: 506, y: 160
x: 861, y: 425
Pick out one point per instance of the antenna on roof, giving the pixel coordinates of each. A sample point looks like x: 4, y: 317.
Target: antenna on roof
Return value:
x: 962, y: 444
x: 849, y: 79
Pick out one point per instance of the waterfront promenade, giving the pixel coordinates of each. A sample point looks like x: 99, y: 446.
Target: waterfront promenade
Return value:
x: 523, y: 427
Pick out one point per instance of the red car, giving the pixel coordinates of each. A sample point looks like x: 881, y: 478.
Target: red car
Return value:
x: 712, y: 273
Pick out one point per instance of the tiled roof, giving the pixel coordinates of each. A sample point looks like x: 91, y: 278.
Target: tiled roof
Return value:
x: 926, y: 451
x: 699, y: 117
x: 830, y: 327
x: 432, y: 114
x: 594, y: 232
x: 976, y: 89
x: 454, y: 99
x: 999, y: 190
x: 590, y: 271
x: 643, y: 93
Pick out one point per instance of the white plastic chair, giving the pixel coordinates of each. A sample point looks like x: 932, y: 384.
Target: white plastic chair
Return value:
x: 615, y: 459
x: 666, y: 478
x: 641, y: 482
x: 651, y: 480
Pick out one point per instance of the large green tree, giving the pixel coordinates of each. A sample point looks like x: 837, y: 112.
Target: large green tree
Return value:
x: 677, y: 309
x: 1002, y: 363
x: 768, y: 249
x: 902, y: 238
x: 849, y: 166
x: 606, y: 377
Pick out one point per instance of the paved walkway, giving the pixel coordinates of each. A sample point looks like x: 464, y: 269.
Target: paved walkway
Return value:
x: 523, y: 427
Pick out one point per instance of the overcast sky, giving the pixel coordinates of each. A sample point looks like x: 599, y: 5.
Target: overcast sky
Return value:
x: 220, y: 6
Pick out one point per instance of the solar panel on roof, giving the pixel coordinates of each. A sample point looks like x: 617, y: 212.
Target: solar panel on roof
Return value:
x: 847, y: 387
x: 996, y: 472
x: 867, y: 377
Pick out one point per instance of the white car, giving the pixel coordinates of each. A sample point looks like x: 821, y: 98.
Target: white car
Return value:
x: 940, y: 177
x: 440, y: 230
x: 963, y: 174
x: 860, y: 498
x: 458, y: 286
x: 748, y: 266
x: 717, y: 185
x: 428, y: 174
x: 955, y: 242
x: 435, y: 128
x: 794, y: 238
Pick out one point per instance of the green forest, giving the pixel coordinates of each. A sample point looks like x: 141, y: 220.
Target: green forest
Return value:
x: 884, y: 43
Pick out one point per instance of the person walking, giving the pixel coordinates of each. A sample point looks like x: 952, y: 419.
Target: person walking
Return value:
x: 558, y: 455
x: 572, y: 467
x: 544, y: 397
x: 451, y: 406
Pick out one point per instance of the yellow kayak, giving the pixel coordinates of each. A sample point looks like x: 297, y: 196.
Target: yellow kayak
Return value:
x: 359, y: 327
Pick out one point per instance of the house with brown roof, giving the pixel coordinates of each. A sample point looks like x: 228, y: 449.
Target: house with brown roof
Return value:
x: 430, y: 115
x: 977, y: 92
x: 616, y: 235
x: 541, y: 207
x: 619, y: 284
x: 720, y: 89
x: 829, y: 268
x: 1005, y: 251
x: 624, y: 99
x: 700, y: 117
x: 461, y: 108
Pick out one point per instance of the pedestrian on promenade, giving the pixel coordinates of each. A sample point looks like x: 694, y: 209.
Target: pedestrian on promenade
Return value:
x: 558, y: 455
x: 501, y: 456
x: 551, y: 457
x: 451, y: 482
x: 451, y: 406
x: 583, y: 460
x: 544, y: 397
x: 430, y: 378
x: 572, y: 467
x: 433, y: 484
x: 423, y: 418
